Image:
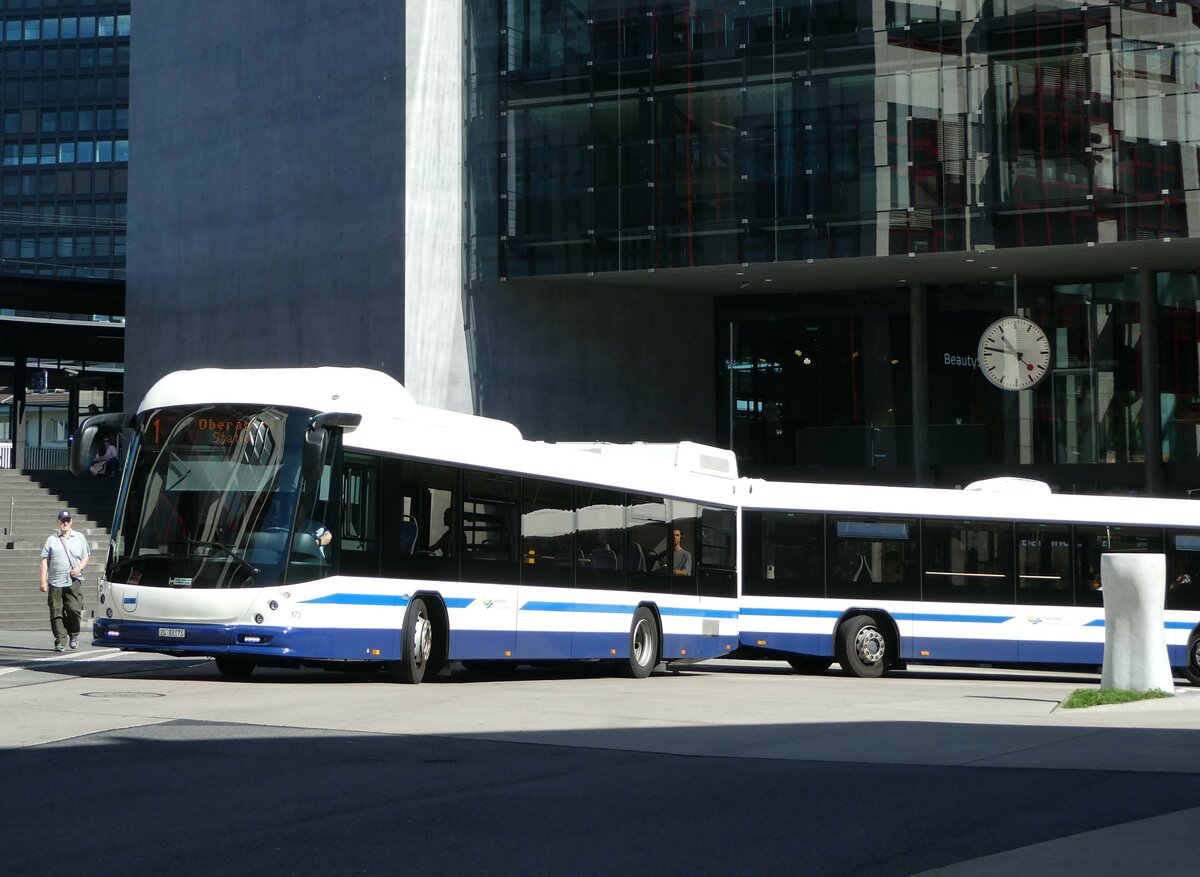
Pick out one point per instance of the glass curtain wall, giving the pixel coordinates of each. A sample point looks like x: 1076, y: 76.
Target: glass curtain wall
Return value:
x: 611, y: 135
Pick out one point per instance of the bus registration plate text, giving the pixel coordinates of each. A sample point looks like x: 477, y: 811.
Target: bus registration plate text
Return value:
x: 172, y: 632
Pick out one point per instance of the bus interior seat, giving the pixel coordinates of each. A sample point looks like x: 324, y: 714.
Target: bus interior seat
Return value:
x: 635, y: 560
x: 408, y: 534
x: 266, y: 546
x: 604, y: 557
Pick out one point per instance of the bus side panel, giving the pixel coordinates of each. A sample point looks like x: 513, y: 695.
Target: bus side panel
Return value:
x: 483, y: 622
x: 957, y: 632
x: 797, y: 626
x: 1062, y: 635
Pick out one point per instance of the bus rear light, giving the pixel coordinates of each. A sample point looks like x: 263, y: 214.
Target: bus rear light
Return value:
x: 508, y: 653
x: 374, y: 653
x: 762, y: 642
x: 924, y: 653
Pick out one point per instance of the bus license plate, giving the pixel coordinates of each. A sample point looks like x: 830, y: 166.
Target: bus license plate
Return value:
x: 172, y: 632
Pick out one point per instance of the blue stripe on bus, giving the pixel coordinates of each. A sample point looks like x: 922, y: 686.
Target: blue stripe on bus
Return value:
x: 1167, y: 625
x: 543, y: 606
x: 383, y: 600
x: 914, y: 616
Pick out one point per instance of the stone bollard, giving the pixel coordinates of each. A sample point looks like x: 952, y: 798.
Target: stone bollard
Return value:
x: 1135, y: 646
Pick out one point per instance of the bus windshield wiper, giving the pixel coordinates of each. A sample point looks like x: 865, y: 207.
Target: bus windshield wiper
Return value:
x: 250, y: 569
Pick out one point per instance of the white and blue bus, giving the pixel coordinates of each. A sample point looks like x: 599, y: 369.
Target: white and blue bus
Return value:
x: 320, y: 517
x: 1003, y: 572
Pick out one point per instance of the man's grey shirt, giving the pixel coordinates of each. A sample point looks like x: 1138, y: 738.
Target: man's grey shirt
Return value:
x: 64, y: 553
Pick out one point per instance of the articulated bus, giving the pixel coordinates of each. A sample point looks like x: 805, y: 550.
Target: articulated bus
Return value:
x: 1002, y: 572
x: 320, y: 517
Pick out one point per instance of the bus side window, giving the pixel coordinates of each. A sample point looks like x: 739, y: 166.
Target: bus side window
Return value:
x: 490, y: 528
x: 1044, y: 564
x: 785, y: 554
x: 547, y: 534
x: 1183, y: 570
x: 716, y: 559
x: 873, y: 557
x: 358, y: 538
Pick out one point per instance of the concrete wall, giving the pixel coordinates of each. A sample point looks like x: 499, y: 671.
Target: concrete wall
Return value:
x: 267, y: 189
x: 435, y: 349
x: 583, y: 360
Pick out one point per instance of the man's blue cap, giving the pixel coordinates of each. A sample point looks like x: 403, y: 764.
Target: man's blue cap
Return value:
x: 64, y: 515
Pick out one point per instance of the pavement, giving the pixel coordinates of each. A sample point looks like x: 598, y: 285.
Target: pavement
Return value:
x: 931, y: 755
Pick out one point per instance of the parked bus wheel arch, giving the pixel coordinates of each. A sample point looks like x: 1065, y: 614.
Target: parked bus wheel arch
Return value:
x: 866, y: 642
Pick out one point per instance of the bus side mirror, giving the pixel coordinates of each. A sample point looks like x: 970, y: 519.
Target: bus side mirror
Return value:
x: 316, y: 438
x: 314, y: 453
x: 83, y: 446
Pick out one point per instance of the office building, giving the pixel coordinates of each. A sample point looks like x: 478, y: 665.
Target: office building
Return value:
x: 782, y: 225
x: 63, y: 187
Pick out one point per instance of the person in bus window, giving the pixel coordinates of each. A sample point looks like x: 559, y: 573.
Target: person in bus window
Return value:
x: 444, y: 544
x: 681, y: 558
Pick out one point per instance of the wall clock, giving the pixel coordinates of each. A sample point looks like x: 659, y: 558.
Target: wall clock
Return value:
x: 1014, y: 353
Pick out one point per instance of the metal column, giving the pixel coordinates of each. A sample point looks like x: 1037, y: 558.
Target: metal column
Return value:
x: 1151, y: 406
x: 919, y: 342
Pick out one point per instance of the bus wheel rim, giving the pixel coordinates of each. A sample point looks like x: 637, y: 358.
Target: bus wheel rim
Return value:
x: 422, y: 639
x: 869, y: 645
x: 641, y: 643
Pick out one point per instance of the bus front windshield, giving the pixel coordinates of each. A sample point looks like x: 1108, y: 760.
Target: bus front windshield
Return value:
x: 215, y: 498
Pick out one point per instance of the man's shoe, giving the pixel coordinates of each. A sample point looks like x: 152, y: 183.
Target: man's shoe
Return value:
x: 74, y: 642
x: 58, y: 647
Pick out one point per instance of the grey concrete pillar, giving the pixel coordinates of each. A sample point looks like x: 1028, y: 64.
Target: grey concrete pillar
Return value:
x: 1151, y: 407
x: 918, y: 320
x: 1135, y: 645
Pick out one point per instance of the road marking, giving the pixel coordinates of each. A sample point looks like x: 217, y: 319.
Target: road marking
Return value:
x: 94, y: 655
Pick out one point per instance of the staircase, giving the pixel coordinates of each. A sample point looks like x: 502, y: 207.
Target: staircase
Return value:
x: 29, y: 507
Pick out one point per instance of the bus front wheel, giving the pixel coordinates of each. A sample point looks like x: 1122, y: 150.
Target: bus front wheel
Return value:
x: 235, y: 667
x: 1192, y: 669
x: 643, y: 646
x: 862, y: 648
x: 416, y: 644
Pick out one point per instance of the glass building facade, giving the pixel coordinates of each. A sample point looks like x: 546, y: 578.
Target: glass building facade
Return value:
x: 622, y: 136
x: 65, y: 79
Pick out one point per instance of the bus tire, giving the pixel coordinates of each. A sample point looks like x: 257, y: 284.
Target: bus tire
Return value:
x: 809, y: 665
x: 235, y: 668
x: 643, y: 646
x: 862, y: 648
x: 1192, y: 668
x: 416, y: 644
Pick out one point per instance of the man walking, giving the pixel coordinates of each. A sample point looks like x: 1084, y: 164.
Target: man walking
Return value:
x: 64, y: 556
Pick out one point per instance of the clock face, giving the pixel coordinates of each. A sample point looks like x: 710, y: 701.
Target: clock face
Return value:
x: 1014, y: 353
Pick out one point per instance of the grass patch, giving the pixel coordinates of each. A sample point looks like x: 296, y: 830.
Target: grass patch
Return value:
x: 1082, y: 697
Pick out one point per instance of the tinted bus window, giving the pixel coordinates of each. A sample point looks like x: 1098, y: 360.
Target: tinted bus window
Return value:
x: 785, y: 555
x: 548, y: 534
x: 873, y: 557
x: 647, y: 557
x: 489, y: 528
x: 968, y: 562
x: 419, y: 517
x: 681, y: 563
x: 1183, y: 570
x: 717, y: 546
x: 1091, y: 542
x: 600, y: 538
x: 358, y: 541
x: 1044, y: 564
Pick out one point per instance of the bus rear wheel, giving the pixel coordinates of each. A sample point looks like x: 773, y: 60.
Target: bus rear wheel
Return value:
x: 1192, y: 669
x: 416, y: 644
x: 809, y: 665
x: 643, y: 646
x: 862, y: 648
x: 235, y: 667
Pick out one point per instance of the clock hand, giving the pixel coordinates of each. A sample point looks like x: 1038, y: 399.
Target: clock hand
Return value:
x: 1010, y: 347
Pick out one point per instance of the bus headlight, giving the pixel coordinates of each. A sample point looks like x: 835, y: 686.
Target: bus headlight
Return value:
x: 258, y: 619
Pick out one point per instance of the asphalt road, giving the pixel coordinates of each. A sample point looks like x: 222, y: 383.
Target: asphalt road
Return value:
x: 113, y: 763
